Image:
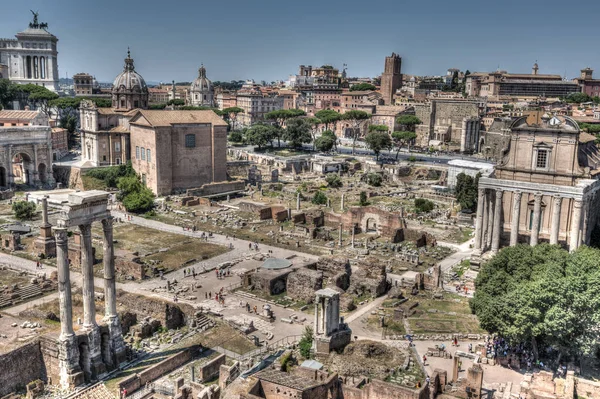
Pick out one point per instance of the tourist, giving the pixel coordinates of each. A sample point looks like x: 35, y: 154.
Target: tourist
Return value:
x: 470, y: 348
x: 424, y: 360
x: 427, y: 380
x: 249, y: 245
x: 455, y: 341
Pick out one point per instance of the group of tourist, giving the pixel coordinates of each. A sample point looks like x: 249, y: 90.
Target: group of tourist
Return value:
x: 190, y: 271
x: 222, y: 273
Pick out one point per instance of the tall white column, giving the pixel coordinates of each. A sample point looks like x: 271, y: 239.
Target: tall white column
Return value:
x: 87, y: 270
x: 497, y: 222
x: 490, y: 226
x: 484, y: 228
x: 479, y: 218
x: 554, y: 230
x: 110, y: 291
x: 575, y: 225
x: 516, y: 218
x: 64, y: 282
x: 535, y: 225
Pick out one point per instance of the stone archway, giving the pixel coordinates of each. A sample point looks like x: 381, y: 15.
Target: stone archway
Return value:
x: 42, y: 173
x: 22, y: 168
x: 85, y: 361
x: 3, y: 177
x: 371, y: 225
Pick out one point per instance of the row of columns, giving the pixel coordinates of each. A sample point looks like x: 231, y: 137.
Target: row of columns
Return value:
x: 488, y: 225
x: 70, y: 357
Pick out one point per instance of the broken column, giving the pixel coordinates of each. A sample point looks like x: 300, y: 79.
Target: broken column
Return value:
x: 341, y: 231
x: 117, y: 345
x: 45, y: 243
x: 474, y: 381
x: 93, y: 365
x: 352, y: 236
x: 68, y: 351
x: 298, y: 201
x: 455, y: 368
x: 342, y: 204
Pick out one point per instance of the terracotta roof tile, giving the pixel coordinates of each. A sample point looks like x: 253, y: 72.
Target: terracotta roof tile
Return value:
x: 168, y: 118
x: 12, y: 114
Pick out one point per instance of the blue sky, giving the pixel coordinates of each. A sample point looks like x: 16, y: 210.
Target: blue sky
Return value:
x: 267, y: 39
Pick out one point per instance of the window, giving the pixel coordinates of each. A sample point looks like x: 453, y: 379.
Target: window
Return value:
x: 542, y: 159
x: 136, y: 104
x: 190, y: 140
x: 104, y: 157
x: 117, y: 146
x: 143, y: 154
x: 122, y: 103
x: 137, y: 152
x: 148, y: 155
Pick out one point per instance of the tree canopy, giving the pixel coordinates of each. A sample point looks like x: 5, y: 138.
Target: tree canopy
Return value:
x: 401, y: 138
x: 362, y: 87
x: 408, y: 122
x: 297, y: 132
x: 261, y: 135
x: 378, y: 128
x: 8, y: 92
x: 356, y: 117
x: 324, y: 143
x: 466, y: 191
x: 328, y: 116
x: 39, y: 97
x: 280, y: 116
x: 378, y: 141
x: 543, y: 296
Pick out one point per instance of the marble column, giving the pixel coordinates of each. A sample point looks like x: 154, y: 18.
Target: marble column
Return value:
x: 298, y: 201
x: 36, y: 176
x: 117, y: 344
x: 64, y: 282
x: 537, y: 216
x: 9, y: 168
x: 340, y: 233
x: 479, y: 219
x: 490, y: 219
x: 516, y: 218
x: 87, y: 271
x: 484, y: 227
x: 497, y: 222
x: 110, y: 295
x: 575, y: 225
x: 554, y: 230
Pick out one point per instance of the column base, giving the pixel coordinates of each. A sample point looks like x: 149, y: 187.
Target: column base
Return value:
x: 70, y: 373
x: 117, y: 344
x: 96, y: 366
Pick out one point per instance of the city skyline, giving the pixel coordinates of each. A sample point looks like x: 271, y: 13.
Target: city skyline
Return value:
x: 269, y: 45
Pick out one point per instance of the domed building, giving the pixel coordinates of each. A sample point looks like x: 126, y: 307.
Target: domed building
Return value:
x: 201, y: 91
x: 129, y: 89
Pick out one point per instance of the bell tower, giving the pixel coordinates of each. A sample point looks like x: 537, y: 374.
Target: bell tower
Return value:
x: 391, y: 78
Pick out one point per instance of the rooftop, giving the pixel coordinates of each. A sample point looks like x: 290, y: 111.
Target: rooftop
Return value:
x: 168, y: 118
x: 12, y: 114
x: 286, y: 379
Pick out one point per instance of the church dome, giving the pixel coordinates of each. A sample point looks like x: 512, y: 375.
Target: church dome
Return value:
x: 201, y: 83
x: 129, y: 80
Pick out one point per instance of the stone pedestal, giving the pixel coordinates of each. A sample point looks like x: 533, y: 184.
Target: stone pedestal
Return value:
x: 96, y: 366
x: 45, y: 242
x: 71, y: 374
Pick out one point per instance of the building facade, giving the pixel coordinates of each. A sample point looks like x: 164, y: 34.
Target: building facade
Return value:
x: 85, y: 84
x: 176, y: 150
x: 32, y: 57
x: 255, y: 104
x: 587, y: 84
x: 545, y: 188
x: 391, y: 78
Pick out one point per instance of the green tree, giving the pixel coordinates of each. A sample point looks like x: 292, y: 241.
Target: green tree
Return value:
x: 374, y: 179
x: 578, y: 98
x: 328, y: 116
x: 332, y: 136
x: 8, y: 92
x: 176, y: 102
x: 363, y: 200
x: 423, y: 205
x: 157, y: 106
x: 297, y: 132
x: 408, y: 122
x: 305, y: 343
x: 333, y: 180
x: 324, y: 143
x: 466, y: 191
x: 378, y: 128
x: 362, y: 87
x: 260, y: 135
x: 319, y: 198
x: 24, y: 210
x: 543, y: 296
x: 314, y: 129
x: 378, y: 141
x: 402, y: 138
x: 357, y: 118
x: 236, y: 136
x: 136, y: 197
x: 39, y: 97
x: 280, y: 117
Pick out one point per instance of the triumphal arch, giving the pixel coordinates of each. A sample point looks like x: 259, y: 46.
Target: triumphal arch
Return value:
x: 95, y: 348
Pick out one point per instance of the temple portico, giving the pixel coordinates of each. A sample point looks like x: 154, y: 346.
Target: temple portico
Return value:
x: 89, y: 349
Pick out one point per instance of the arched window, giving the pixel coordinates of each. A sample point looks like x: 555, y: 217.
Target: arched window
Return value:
x: 143, y: 153
x: 148, y: 155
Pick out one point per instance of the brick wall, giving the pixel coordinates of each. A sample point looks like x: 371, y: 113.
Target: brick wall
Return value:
x: 21, y: 366
x: 210, y: 370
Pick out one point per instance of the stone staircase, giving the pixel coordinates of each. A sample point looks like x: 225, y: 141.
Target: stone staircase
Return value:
x: 98, y: 391
x: 20, y: 295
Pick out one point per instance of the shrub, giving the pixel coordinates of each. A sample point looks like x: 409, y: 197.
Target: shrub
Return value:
x: 236, y: 136
x: 319, y: 198
x: 306, y: 342
x: 412, y: 158
x: 24, y: 210
x: 364, y: 200
x: 333, y: 180
x: 423, y: 205
x: 374, y: 179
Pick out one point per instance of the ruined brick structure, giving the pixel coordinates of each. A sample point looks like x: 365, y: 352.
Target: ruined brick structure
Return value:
x: 448, y: 121
x: 370, y: 219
